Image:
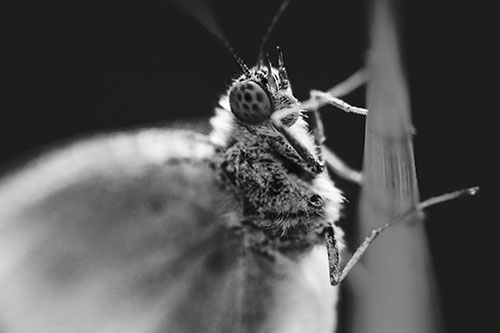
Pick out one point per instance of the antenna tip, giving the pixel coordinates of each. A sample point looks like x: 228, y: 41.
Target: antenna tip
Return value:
x: 473, y: 190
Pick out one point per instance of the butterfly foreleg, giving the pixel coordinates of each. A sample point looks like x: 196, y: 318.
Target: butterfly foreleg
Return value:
x: 333, y: 255
x: 292, y: 150
x: 335, y: 163
x: 337, y: 275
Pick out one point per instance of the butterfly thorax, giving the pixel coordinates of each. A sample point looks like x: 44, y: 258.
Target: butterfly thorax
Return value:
x: 273, y: 190
x: 271, y: 167
x: 276, y: 196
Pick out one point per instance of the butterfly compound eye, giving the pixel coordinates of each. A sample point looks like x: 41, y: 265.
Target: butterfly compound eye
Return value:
x: 249, y: 102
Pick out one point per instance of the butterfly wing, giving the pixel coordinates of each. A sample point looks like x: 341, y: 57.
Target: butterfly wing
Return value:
x: 132, y: 233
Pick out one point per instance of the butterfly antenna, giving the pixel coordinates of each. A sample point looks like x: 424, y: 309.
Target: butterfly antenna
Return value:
x: 270, y: 28
x: 240, y: 61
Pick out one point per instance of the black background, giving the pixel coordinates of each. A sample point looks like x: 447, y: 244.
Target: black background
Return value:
x: 76, y: 68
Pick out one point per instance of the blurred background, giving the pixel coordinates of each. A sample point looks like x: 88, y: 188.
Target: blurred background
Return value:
x: 77, y: 68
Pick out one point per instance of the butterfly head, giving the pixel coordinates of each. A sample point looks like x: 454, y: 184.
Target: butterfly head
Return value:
x: 261, y: 91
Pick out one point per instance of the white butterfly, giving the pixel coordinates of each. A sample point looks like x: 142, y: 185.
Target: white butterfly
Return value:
x: 169, y: 230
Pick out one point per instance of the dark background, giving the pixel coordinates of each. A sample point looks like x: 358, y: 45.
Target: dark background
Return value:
x: 76, y: 68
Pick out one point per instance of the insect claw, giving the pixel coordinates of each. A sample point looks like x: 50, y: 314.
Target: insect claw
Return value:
x: 333, y: 281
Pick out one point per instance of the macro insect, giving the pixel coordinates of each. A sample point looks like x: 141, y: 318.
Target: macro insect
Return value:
x: 120, y: 225
x: 104, y: 235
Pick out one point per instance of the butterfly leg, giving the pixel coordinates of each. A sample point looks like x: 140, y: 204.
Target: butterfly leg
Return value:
x: 333, y: 255
x: 334, y: 162
x: 346, y: 87
x: 339, y: 275
x: 291, y: 149
x: 350, y: 84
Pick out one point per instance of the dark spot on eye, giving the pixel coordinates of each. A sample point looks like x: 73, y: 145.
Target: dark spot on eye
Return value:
x: 249, y: 86
x: 260, y: 97
x: 246, y: 107
x: 239, y: 97
x: 248, y: 97
x: 255, y: 106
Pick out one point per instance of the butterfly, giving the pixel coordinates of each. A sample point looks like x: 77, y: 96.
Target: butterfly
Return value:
x: 174, y: 231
